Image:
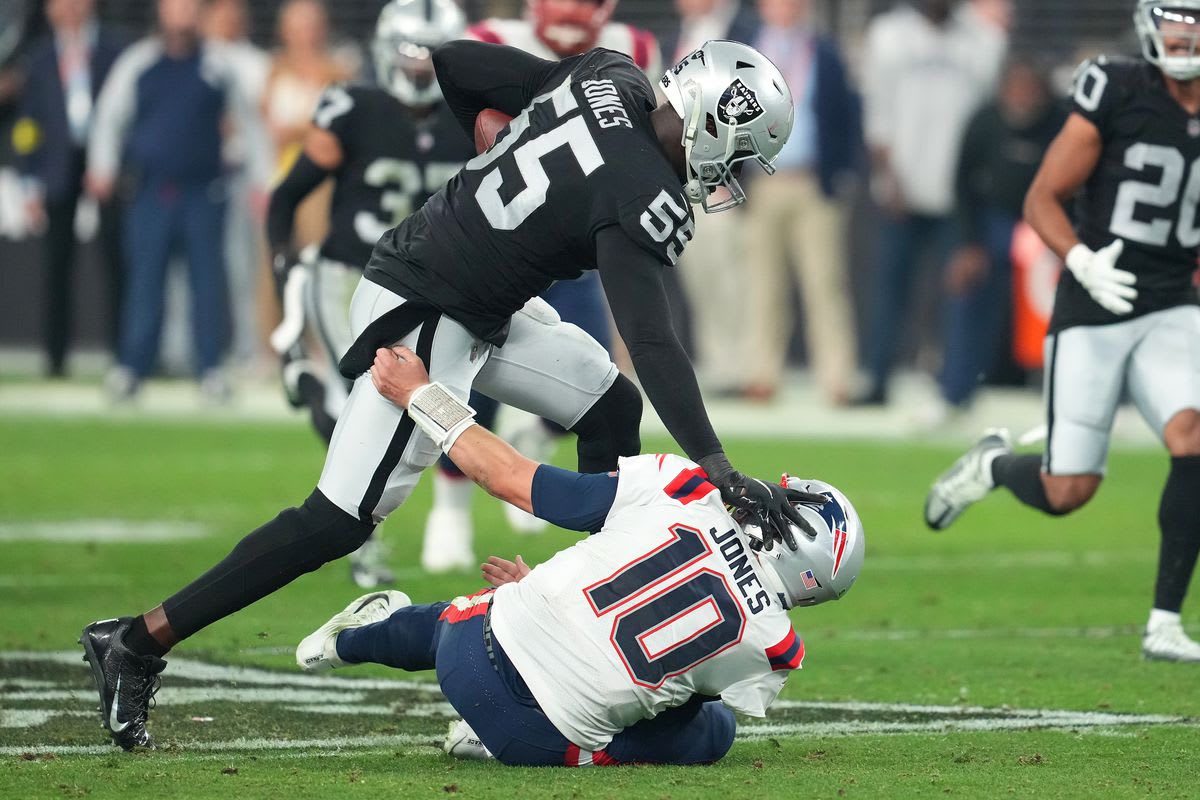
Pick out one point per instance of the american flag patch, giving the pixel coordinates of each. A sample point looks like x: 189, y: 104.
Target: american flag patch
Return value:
x: 810, y: 580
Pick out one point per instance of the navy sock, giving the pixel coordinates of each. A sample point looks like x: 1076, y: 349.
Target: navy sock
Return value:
x: 1022, y: 475
x: 406, y: 640
x: 1179, y: 520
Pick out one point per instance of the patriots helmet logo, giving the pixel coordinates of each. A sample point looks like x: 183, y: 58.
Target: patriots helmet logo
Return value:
x: 738, y: 104
x: 835, y: 517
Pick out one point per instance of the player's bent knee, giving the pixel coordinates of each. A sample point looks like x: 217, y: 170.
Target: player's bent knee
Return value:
x: 1182, y: 433
x: 720, y: 725
x: 611, y: 427
x: 1066, y: 493
x: 330, y: 532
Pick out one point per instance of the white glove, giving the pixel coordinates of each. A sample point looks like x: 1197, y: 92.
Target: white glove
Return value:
x: 1097, y: 271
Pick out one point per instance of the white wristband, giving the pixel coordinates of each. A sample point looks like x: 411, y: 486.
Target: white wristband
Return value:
x: 440, y: 414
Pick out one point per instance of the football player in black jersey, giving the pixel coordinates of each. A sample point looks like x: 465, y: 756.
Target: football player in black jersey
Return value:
x: 589, y: 174
x: 1125, y: 316
x: 389, y: 148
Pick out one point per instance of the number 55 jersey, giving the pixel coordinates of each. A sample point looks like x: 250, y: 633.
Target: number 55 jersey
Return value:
x: 581, y: 157
x: 664, y: 603
x: 1145, y: 189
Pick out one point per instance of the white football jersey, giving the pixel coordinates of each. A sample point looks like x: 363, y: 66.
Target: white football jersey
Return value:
x: 665, y: 602
x: 636, y: 43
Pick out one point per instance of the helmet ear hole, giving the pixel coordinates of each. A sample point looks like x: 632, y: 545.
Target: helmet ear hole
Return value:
x: 710, y: 125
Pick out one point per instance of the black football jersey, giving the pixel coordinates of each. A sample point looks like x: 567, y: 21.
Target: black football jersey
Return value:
x: 392, y: 162
x: 1145, y: 189
x: 582, y: 156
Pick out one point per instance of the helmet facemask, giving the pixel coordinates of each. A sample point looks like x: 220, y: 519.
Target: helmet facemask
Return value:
x: 1170, y: 36
x: 735, y: 107
x: 407, y: 33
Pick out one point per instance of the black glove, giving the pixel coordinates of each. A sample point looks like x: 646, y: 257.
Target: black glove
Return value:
x: 768, y: 505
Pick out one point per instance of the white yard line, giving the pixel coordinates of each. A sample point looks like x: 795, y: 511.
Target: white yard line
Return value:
x: 102, y: 530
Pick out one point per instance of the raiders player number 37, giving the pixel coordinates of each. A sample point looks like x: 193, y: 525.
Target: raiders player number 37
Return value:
x: 589, y: 174
x: 1125, y: 316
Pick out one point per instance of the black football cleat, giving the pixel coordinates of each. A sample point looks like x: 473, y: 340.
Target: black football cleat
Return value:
x: 126, y: 681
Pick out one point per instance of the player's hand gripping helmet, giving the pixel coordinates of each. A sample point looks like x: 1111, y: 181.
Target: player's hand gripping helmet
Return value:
x: 570, y: 27
x: 821, y: 568
x: 735, y: 107
x: 405, y: 37
x: 1170, y: 36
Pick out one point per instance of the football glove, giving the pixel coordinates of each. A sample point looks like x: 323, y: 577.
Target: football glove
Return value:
x: 1097, y: 271
x: 768, y: 505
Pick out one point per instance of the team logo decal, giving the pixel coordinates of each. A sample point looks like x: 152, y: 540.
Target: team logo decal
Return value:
x: 739, y: 105
x: 835, y: 516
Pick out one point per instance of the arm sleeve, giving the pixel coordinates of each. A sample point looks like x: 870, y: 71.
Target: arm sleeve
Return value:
x: 115, y: 108
x: 633, y: 283
x: 478, y: 75
x: 572, y: 500
x: 304, y: 176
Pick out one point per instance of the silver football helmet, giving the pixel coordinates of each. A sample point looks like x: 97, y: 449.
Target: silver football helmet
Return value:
x: 821, y: 568
x: 735, y: 106
x: 1170, y: 36
x: 406, y: 35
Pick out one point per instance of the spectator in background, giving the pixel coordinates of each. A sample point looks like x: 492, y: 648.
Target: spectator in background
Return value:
x: 712, y: 288
x: 300, y: 70
x: 163, y: 112
x: 798, y: 215
x: 928, y: 65
x: 1001, y: 152
x: 225, y: 22
x: 63, y: 76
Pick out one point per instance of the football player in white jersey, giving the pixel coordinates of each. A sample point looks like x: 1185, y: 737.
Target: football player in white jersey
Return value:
x: 635, y: 644
x: 551, y: 29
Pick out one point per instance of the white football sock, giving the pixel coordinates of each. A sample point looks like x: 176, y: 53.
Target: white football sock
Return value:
x: 452, y: 492
x: 1158, y: 618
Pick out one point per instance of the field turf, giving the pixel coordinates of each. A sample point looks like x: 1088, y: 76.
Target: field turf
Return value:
x: 999, y: 659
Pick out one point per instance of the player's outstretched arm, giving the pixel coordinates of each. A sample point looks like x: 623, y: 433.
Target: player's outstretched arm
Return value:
x: 632, y: 281
x: 483, y: 457
x: 478, y: 75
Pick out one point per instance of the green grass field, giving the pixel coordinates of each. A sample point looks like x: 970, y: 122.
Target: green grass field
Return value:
x: 998, y: 660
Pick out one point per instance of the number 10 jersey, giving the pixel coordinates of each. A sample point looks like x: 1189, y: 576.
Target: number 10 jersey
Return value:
x: 664, y: 603
x: 1145, y: 189
x: 582, y: 156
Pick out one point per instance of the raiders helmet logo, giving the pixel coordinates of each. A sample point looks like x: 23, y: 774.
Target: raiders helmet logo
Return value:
x: 738, y: 105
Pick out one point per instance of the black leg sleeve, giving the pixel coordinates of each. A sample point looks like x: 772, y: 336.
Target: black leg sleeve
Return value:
x: 1022, y: 475
x: 297, y: 541
x: 1179, y: 520
x: 610, y: 428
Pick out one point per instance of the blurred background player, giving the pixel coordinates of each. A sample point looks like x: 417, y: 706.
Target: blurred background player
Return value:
x: 543, y: 671
x: 1125, y: 316
x: 551, y: 29
x: 388, y: 148
x: 165, y: 113
x: 63, y: 76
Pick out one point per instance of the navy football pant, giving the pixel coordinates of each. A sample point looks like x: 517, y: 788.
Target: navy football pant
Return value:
x: 491, y: 696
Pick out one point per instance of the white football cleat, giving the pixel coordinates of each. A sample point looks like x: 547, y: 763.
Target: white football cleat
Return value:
x: 1168, y: 642
x: 461, y: 742
x: 966, y: 482
x: 368, y: 564
x: 448, y: 538
x: 317, y: 652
